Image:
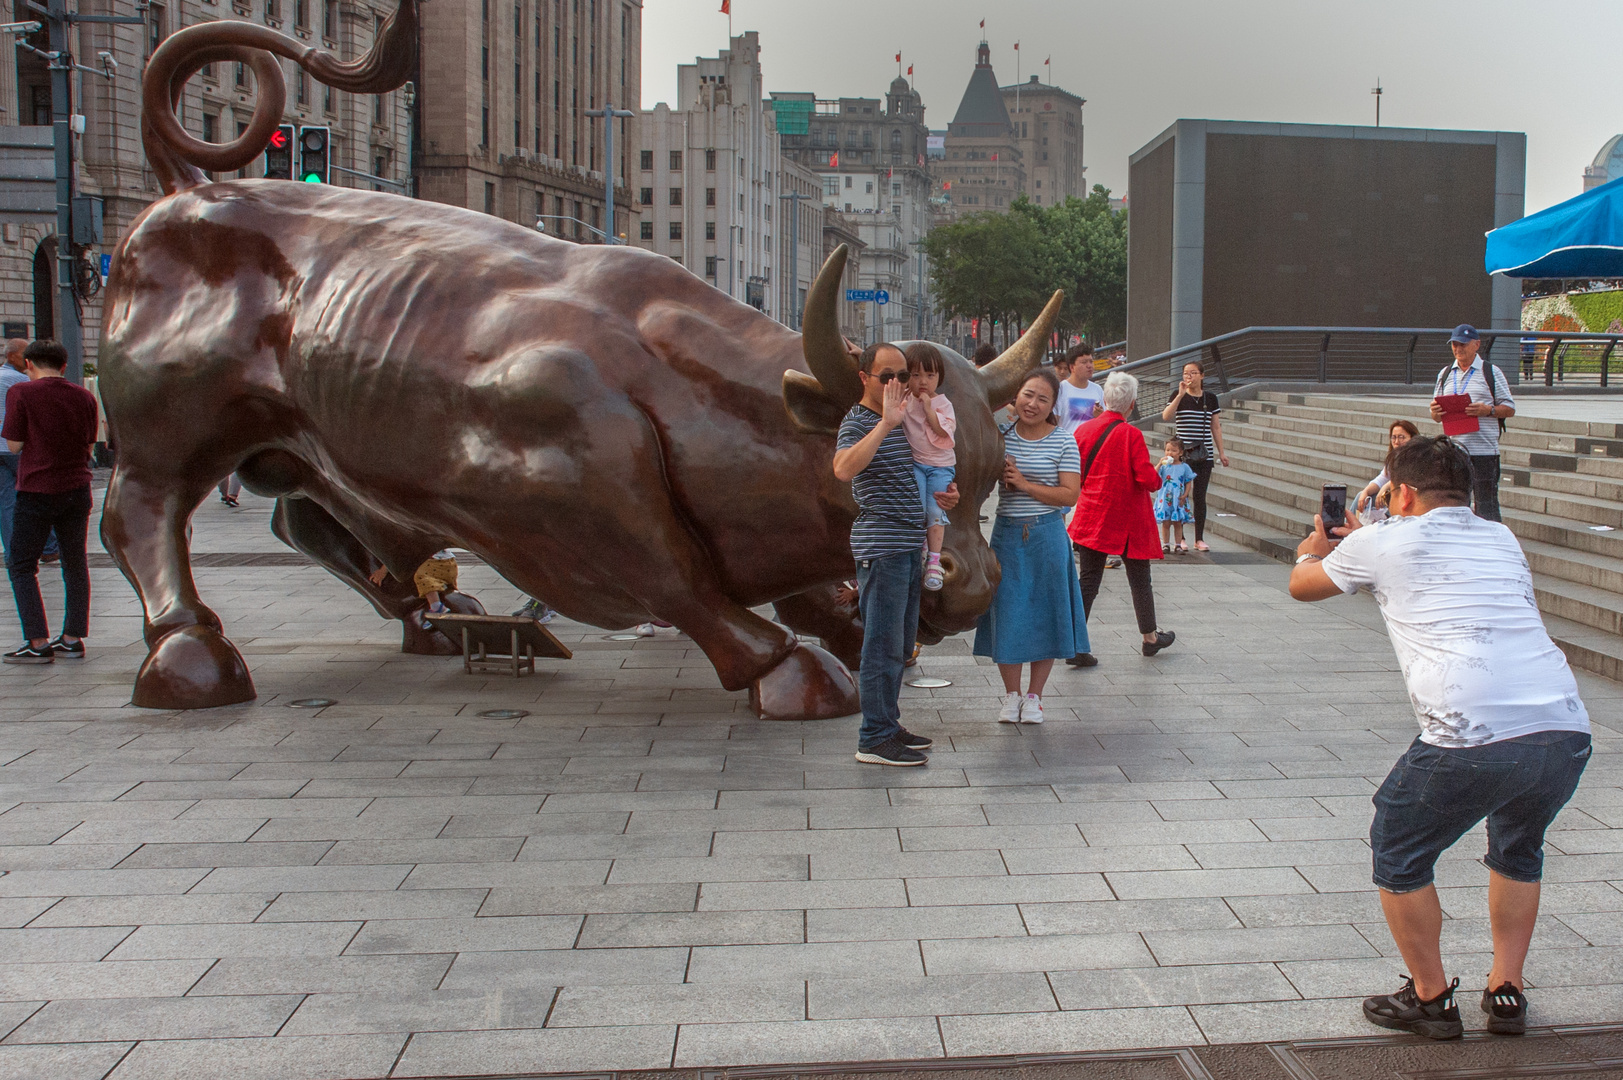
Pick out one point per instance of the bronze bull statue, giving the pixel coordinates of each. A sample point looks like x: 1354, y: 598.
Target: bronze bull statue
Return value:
x: 599, y: 425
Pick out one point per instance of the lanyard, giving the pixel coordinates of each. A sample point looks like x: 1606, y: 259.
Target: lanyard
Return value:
x: 1461, y: 384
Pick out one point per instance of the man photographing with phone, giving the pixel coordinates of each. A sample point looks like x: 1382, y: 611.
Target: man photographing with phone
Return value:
x: 1503, y: 734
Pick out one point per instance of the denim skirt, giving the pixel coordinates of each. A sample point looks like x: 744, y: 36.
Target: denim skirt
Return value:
x: 1037, y: 611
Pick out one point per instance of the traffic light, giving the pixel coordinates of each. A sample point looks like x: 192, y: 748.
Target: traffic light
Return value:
x: 279, y: 154
x: 313, y: 145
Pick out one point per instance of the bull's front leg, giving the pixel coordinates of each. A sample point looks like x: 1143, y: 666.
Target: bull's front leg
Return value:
x: 831, y: 615
x: 189, y: 664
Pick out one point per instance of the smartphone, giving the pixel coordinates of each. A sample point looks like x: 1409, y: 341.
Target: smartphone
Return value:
x: 1333, y: 505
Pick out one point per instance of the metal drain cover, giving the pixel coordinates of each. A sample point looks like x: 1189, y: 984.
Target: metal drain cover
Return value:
x: 504, y: 714
x: 311, y: 703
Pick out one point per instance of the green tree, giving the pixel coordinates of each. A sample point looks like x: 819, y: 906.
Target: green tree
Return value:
x: 1004, y: 267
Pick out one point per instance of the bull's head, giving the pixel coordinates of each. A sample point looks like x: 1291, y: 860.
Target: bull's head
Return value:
x: 818, y: 401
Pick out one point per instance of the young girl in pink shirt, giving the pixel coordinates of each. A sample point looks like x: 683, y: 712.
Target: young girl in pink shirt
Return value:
x: 929, y: 422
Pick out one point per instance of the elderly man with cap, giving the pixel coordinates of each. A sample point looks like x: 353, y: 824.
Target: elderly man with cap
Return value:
x: 1490, y: 403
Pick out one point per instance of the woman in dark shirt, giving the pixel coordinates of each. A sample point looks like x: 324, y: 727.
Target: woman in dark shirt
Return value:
x: 1195, y: 411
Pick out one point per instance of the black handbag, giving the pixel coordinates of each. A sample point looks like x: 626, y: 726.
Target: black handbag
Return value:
x: 1196, y: 454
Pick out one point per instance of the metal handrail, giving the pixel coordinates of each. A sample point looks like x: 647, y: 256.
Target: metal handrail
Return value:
x: 1553, y: 339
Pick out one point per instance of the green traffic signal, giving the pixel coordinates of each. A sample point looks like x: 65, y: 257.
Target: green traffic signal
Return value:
x: 312, y: 178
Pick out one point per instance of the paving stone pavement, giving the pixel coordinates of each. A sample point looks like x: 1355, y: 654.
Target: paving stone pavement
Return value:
x: 638, y: 874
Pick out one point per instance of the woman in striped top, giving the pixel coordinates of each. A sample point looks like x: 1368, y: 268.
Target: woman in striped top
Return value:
x: 1195, y: 411
x: 1036, y: 615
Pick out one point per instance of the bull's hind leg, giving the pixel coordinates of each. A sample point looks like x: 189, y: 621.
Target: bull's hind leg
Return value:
x: 189, y: 664
x: 306, y: 526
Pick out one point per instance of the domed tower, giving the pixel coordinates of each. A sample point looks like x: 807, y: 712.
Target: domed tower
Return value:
x: 1607, y: 166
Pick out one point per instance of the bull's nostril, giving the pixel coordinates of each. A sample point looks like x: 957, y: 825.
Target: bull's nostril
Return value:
x: 949, y: 567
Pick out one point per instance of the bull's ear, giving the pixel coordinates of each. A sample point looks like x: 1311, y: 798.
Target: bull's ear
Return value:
x: 810, y: 408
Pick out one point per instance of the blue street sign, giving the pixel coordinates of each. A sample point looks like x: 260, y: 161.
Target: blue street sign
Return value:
x: 882, y: 296
x: 861, y: 296
x: 106, y: 265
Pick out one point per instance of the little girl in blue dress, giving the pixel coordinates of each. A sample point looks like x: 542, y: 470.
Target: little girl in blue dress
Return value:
x: 1172, y: 502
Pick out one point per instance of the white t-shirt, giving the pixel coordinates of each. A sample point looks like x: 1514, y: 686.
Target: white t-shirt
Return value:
x: 1078, y: 404
x: 1457, y: 597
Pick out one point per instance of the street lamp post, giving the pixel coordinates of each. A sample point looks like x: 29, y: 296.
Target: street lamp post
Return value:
x: 795, y: 199
x: 918, y: 298
x: 608, y: 112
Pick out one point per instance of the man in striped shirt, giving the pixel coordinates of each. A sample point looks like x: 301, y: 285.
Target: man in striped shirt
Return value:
x: 1491, y: 401
x: 887, y: 538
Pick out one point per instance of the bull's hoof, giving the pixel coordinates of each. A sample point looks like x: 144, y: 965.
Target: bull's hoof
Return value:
x: 194, y: 667
x: 808, y: 684
x: 420, y: 639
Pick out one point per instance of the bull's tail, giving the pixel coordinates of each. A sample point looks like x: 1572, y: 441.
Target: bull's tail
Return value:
x: 177, y: 159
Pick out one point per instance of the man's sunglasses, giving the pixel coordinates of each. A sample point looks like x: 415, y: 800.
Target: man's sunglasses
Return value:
x: 886, y: 376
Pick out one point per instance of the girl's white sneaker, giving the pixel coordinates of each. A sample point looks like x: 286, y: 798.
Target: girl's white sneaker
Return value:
x: 1010, y: 713
x: 1031, y: 710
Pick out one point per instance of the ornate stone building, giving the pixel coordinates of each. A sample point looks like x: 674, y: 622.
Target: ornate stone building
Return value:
x: 872, y: 158
x: 1047, y: 123
x: 984, y: 168
x: 708, y: 175
x: 505, y: 88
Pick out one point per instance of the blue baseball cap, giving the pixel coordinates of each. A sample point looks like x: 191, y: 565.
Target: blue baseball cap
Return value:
x: 1465, y: 332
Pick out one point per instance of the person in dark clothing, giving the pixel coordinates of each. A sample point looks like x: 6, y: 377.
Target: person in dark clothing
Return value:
x: 1195, y: 411
x: 50, y: 424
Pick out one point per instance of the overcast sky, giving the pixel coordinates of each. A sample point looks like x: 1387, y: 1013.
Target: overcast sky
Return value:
x: 1548, y: 70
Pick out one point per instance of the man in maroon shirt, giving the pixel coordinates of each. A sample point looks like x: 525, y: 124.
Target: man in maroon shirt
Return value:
x: 51, y: 424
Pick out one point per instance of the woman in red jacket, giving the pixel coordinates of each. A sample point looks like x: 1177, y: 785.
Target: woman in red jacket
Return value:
x: 1113, y: 514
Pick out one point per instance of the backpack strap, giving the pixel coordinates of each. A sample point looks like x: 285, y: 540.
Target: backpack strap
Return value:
x: 1490, y: 371
x: 1097, y: 446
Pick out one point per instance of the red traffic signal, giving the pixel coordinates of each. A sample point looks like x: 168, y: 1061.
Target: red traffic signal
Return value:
x: 279, y: 154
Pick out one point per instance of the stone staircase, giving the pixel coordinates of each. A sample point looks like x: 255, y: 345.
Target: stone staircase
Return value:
x: 1560, y: 478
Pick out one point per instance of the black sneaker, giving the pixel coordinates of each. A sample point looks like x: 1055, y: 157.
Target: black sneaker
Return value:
x: 892, y: 752
x: 1083, y: 659
x: 29, y: 654
x: 65, y: 651
x: 1438, y: 1018
x: 1163, y: 638
x: 914, y: 742
x: 1506, y: 1009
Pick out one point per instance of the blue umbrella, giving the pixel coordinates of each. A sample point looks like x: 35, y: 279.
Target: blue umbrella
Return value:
x: 1579, y: 238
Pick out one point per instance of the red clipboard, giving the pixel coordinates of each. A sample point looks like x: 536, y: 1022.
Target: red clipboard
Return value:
x: 1455, y: 422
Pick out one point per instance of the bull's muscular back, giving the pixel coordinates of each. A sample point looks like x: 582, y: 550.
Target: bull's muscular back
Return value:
x: 393, y: 343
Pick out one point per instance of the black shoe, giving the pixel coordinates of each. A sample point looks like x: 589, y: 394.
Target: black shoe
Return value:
x: 1083, y: 659
x: 50, y: 558
x: 65, y: 651
x: 1506, y: 1009
x: 914, y: 742
x: 1163, y: 639
x: 892, y: 752
x: 29, y: 654
x: 1438, y: 1018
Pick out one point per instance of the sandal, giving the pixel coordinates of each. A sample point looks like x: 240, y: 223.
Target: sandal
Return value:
x: 1166, y: 549
x: 1182, y: 549
x: 1201, y: 545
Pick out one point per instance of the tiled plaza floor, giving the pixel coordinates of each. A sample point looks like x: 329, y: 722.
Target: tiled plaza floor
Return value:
x: 640, y: 875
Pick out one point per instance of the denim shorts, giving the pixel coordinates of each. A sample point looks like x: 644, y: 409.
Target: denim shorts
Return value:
x: 1435, y: 795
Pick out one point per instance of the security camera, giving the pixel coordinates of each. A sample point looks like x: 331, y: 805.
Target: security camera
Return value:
x: 108, y: 60
x: 541, y: 225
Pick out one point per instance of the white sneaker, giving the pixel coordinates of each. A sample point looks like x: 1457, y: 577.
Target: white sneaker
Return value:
x: 1031, y: 710
x: 644, y: 629
x: 1010, y: 713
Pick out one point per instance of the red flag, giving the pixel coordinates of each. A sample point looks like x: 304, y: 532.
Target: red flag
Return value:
x: 994, y: 157
x: 834, y: 159
x: 1048, y: 61
x: 947, y: 186
x: 889, y: 173
x: 1017, y: 46
x: 910, y: 71
x: 898, y: 58
x: 983, y: 24
x: 726, y: 7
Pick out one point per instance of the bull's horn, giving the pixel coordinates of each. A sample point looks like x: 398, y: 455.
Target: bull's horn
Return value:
x: 1002, y: 376
x: 820, y: 340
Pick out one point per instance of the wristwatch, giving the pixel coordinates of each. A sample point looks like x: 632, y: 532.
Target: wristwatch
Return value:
x: 1308, y: 556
